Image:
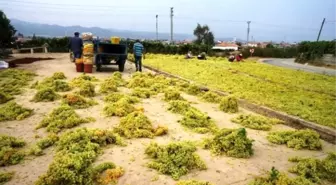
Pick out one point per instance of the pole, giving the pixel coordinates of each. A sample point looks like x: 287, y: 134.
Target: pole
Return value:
x: 248, y: 32
x: 318, y: 37
x: 157, y: 28
x: 171, y: 24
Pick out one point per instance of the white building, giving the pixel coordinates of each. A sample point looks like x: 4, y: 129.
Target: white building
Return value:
x: 226, y: 46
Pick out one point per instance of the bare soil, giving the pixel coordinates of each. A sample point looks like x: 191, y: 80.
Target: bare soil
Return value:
x: 221, y: 170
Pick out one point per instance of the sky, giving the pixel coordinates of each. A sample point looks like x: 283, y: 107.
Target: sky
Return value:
x: 271, y: 20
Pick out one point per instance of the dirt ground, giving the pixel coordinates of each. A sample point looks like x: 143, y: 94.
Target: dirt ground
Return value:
x: 221, y: 170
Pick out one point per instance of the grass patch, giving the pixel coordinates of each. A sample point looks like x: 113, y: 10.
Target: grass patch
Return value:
x: 12, y: 81
x: 193, y: 89
x: 61, y: 118
x: 75, y: 152
x: 6, y: 176
x: 276, y: 178
x: 58, y: 76
x: 77, y: 101
x: 45, y: 95
x: 298, y: 139
x: 211, y: 97
x: 120, y: 108
x: 44, y: 143
x: 9, y: 150
x: 5, y: 97
x: 315, y: 169
x: 229, y: 104
x: 256, y: 122
x: 87, y: 89
x: 141, y: 92
x: 136, y: 125
x: 107, y: 173
x: 230, y: 142
x: 197, y: 121
x: 83, y: 78
x: 172, y: 94
x: 12, y: 111
x: 109, y: 85
x: 179, y: 106
x: 116, y: 96
x: 175, y: 159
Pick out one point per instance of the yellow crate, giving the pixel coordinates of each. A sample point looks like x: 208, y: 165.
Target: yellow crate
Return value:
x: 115, y: 40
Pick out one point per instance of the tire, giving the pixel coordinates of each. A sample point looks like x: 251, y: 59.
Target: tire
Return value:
x: 121, y: 66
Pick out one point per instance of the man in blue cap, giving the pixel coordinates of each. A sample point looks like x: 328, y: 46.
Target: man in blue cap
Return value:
x: 76, y: 45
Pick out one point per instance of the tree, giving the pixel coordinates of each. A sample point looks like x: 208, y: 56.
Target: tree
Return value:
x: 34, y: 37
x: 269, y: 45
x: 7, y: 31
x: 239, y: 44
x: 204, y: 35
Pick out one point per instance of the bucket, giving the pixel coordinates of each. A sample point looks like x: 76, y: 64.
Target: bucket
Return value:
x: 88, y: 68
x: 79, y: 67
x: 115, y: 40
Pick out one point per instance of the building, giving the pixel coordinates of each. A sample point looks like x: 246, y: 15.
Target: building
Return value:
x: 226, y: 46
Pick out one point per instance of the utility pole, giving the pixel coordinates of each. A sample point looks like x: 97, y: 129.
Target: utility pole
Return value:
x: 318, y: 37
x: 157, y: 28
x: 248, y: 32
x: 171, y: 24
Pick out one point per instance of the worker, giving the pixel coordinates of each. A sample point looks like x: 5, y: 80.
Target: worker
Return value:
x: 231, y: 58
x: 239, y: 57
x: 189, y: 55
x: 138, y: 50
x: 201, y: 56
x: 76, y: 45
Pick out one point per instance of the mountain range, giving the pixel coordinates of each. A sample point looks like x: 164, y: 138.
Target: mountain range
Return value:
x: 51, y: 30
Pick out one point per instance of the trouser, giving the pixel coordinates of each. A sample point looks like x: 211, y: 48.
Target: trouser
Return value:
x: 138, y: 63
x: 76, y: 54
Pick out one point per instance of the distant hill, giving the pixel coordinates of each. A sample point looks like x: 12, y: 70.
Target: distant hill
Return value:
x: 47, y: 30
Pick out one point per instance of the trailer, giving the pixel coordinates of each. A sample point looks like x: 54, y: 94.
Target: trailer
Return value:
x: 106, y: 53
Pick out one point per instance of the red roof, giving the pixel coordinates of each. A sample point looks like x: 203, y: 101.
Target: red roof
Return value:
x: 227, y: 45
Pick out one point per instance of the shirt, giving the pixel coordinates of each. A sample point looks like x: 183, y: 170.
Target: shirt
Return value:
x: 138, y: 49
x: 76, y: 44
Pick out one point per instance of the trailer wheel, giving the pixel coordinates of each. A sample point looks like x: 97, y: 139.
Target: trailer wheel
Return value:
x: 121, y: 66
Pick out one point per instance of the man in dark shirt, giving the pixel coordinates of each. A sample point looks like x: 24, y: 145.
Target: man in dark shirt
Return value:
x: 76, y: 45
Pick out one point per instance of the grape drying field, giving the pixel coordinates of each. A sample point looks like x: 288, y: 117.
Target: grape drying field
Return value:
x: 62, y: 127
x: 306, y: 95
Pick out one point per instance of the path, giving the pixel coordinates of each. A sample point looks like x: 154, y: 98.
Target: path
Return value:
x: 289, y: 63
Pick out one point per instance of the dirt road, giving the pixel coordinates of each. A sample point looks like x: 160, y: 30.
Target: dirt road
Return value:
x: 221, y: 170
x: 289, y: 63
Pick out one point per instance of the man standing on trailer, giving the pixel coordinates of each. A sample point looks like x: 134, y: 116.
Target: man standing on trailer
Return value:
x: 138, y: 50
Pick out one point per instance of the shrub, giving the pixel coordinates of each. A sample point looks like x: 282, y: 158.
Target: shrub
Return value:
x: 172, y: 94
x: 175, y: 159
x: 277, y: 178
x: 76, y: 150
x: 135, y: 125
x: 141, y: 92
x: 140, y: 81
x: 179, y: 106
x: 120, y: 108
x: 158, y: 87
x: 6, y: 176
x: 192, y: 182
x: 109, y: 85
x: 193, y: 89
x: 12, y: 111
x: 315, y: 169
x: 45, y: 95
x: 62, y: 117
x: 256, y: 122
x: 5, y: 97
x: 9, y: 150
x: 231, y: 142
x: 61, y: 86
x: 197, y: 121
x: 87, y: 89
x: 298, y: 139
x: 42, y: 144
x: 77, y: 101
x: 106, y: 173
x: 13, y: 80
x: 115, y: 96
x: 78, y: 81
x: 211, y: 97
x: 58, y: 76
x: 229, y: 104
x: 102, y: 167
